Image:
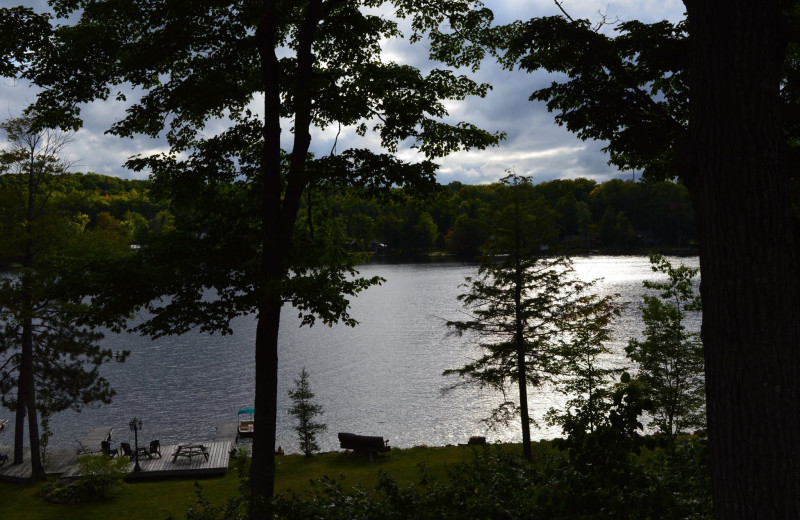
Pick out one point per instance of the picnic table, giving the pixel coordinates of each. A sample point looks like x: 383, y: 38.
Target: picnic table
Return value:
x: 189, y: 451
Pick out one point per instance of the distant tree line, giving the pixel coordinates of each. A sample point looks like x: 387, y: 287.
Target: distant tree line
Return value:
x: 123, y: 207
x: 612, y: 216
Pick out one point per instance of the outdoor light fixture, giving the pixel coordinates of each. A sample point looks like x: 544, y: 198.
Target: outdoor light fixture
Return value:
x: 136, y: 426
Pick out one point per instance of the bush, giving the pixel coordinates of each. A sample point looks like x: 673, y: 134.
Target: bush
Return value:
x: 101, y: 478
x: 236, y: 508
x: 596, y: 477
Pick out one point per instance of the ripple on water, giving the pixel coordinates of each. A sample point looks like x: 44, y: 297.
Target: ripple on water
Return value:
x: 381, y: 378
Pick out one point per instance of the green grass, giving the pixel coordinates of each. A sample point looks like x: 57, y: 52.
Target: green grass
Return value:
x: 159, y: 500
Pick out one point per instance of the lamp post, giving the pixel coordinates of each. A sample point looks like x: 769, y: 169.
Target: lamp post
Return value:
x: 135, y: 427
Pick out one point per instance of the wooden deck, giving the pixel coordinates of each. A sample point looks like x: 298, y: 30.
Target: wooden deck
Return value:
x: 226, y: 432
x: 96, y: 436
x: 58, y: 462
x: 65, y: 463
x: 217, y: 463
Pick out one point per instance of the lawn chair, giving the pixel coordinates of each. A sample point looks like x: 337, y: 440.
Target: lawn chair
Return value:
x: 85, y: 450
x: 126, y: 450
x: 105, y: 447
x: 155, y: 449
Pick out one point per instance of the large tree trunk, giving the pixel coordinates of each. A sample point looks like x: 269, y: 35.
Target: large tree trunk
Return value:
x: 37, y: 471
x: 26, y: 379
x: 519, y: 339
x: 19, y: 422
x: 262, y: 469
x: 279, y: 207
x: 750, y: 278
x: 522, y: 382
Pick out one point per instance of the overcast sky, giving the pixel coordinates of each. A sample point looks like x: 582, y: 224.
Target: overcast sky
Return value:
x: 534, y: 146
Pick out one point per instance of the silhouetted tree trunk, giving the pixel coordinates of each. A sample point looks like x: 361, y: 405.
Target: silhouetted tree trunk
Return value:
x: 19, y: 422
x: 750, y: 284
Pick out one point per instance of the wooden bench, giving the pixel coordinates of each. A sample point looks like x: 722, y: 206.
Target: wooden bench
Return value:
x: 363, y: 444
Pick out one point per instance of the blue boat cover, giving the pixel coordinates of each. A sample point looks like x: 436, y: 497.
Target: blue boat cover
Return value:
x: 247, y: 410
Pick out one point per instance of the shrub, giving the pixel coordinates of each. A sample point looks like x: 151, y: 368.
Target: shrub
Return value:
x: 597, y: 476
x: 100, y: 478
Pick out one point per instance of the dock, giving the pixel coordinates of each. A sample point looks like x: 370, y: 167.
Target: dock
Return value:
x: 226, y: 432
x: 96, y: 436
x: 57, y: 463
x: 217, y: 463
x: 65, y: 462
x: 92, y: 443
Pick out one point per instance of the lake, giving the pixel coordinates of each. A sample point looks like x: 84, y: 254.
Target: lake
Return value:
x: 382, y: 377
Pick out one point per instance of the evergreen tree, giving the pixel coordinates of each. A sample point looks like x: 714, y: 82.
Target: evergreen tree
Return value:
x: 49, y: 357
x: 520, y: 307
x: 670, y: 359
x: 305, y: 411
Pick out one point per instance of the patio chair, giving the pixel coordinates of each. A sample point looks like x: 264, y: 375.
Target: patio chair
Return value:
x: 105, y: 446
x: 126, y: 450
x: 3, y: 459
x: 84, y: 450
x: 155, y: 449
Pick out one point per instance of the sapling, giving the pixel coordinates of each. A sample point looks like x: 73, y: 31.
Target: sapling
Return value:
x: 305, y: 412
x: 670, y: 358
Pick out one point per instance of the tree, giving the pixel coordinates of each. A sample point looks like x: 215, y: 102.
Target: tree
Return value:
x: 582, y: 366
x: 305, y: 411
x: 256, y: 65
x: 703, y: 100
x: 584, y: 220
x: 425, y: 232
x: 362, y: 229
x: 607, y: 232
x: 24, y: 31
x: 670, y: 359
x: 735, y: 149
x: 468, y: 235
x: 48, y: 347
x: 519, y: 307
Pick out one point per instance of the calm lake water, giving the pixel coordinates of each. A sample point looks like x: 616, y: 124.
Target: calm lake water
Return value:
x: 381, y: 378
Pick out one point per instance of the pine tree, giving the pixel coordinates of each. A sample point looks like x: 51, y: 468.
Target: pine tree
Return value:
x: 305, y: 411
x: 49, y: 352
x: 521, y: 307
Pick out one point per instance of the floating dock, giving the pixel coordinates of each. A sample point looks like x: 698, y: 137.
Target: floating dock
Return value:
x: 226, y: 432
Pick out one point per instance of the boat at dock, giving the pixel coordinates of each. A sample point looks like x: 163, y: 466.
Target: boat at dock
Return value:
x: 246, y: 418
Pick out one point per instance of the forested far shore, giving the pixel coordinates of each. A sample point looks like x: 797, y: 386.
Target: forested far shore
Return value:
x: 583, y: 215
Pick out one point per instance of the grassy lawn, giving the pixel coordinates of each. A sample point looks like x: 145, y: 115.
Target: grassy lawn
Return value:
x: 159, y: 500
